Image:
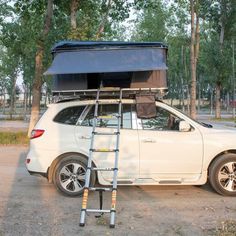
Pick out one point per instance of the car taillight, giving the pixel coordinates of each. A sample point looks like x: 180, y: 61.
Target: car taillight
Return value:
x: 36, y: 133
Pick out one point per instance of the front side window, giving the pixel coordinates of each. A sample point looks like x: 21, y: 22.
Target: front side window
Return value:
x: 108, y: 116
x: 69, y: 116
x: 164, y: 120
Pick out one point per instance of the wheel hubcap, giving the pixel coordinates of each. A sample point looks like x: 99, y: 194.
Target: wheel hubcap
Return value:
x: 227, y: 176
x: 72, y: 177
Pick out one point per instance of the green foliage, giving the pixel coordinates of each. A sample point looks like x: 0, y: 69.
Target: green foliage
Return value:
x: 21, y: 23
x: 151, y: 23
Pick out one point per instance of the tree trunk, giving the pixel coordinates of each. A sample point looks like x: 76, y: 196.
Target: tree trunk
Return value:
x: 199, y: 96
x: 218, y: 102
x: 73, y: 19
x: 212, y: 95
x: 233, y: 71
x: 13, y: 95
x: 73, y: 11
x: 4, y: 102
x: 193, y: 65
x: 188, y: 100
x: 181, y: 78
x: 104, y: 21
x: 221, y: 41
x: 197, y: 45
x: 37, y: 84
x: 25, y: 102
x: 227, y: 102
x: 30, y: 98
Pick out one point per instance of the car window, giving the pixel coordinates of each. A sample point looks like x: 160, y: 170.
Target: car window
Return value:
x: 69, y: 116
x: 164, y: 120
x: 111, y: 111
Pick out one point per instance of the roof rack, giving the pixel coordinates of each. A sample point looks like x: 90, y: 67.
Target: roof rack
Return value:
x: 107, y: 93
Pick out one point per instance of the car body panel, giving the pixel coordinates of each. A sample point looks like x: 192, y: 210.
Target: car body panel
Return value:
x: 173, y: 158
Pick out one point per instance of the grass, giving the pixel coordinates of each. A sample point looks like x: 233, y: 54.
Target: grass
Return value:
x: 224, y: 119
x: 9, y: 138
x: 12, y: 119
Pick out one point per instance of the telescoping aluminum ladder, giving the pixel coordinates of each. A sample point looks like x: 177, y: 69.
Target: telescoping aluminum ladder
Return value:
x: 90, y: 168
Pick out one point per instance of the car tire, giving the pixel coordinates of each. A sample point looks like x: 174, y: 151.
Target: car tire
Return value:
x: 222, y: 174
x: 69, y: 175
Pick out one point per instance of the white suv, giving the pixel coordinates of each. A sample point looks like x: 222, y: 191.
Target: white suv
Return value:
x: 171, y: 149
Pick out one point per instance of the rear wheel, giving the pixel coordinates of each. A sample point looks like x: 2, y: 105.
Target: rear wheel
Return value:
x: 222, y: 174
x: 69, y: 175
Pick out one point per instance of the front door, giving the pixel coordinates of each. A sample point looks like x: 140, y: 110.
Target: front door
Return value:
x: 128, y: 162
x: 167, y: 153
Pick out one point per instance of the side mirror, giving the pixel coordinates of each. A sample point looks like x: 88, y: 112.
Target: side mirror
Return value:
x: 184, y: 126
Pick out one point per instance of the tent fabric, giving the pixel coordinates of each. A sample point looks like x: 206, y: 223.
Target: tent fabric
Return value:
x: 74, y: 45
x: 146, y: 106
x: 108, y: 60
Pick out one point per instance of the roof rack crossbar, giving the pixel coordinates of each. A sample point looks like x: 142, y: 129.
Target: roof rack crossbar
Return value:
x: 107, y: 92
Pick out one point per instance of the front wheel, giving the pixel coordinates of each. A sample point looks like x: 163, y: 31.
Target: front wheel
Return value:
x: 69, y: 175
x: 222, y: 174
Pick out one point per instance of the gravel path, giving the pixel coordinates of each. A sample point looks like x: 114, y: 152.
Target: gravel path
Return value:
x: 31, y: 206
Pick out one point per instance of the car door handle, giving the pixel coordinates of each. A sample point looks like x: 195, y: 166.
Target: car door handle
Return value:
x: 148, y: 140
x: 84, y: 137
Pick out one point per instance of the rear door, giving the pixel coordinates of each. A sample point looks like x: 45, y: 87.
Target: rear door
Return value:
x: 129, y: 145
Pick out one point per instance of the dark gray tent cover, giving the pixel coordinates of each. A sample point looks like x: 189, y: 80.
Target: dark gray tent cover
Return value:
x: 82, y: 65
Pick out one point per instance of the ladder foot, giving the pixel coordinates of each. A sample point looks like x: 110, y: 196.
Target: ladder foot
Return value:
x: 82, y: 224
x: 112, y: 226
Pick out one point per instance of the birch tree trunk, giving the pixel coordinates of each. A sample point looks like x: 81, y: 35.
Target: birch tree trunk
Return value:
x: 37, y: 84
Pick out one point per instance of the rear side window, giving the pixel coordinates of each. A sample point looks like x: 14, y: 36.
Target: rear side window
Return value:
x: 112, y: 122
x: 69, y: 116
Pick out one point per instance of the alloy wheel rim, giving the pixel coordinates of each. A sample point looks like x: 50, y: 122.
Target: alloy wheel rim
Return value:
x: 72, y: 177
x: 227, y: 176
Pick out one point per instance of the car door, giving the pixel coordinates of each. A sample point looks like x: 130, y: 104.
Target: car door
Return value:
x: 129, y: 145
x: 165, y: 152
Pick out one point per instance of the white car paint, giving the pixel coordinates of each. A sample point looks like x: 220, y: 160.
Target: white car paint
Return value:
x: 146, y: 156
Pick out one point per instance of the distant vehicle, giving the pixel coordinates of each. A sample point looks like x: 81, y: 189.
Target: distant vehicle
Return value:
x: 169, y: 149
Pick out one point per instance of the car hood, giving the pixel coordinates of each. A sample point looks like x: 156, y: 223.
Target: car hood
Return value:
x: 225, y: 136
x: 223, y: 129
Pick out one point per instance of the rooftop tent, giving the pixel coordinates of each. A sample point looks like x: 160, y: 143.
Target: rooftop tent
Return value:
x: 82, y: 65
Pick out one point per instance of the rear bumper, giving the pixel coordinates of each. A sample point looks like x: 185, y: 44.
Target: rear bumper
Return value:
x: 38, y: 173
x: 39, y: 160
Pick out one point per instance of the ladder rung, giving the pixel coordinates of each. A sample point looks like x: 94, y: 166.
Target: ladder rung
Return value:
x: 107, y: 117
x: 101, y: 133
x: 98, y: 211
x: 100, y: 189
x: 104, y: 150
x: 104, y: 169
x: 110, y: 89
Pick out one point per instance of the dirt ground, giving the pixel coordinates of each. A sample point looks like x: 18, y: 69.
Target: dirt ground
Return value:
x: 31, y: 206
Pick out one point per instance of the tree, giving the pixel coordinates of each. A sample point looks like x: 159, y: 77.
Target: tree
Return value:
x: 221, y: 19
x: 194, y: 48
x: 37, y: 84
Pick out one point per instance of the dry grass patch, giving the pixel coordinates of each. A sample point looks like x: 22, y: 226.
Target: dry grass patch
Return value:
x: 9, y: 138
